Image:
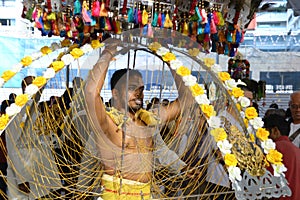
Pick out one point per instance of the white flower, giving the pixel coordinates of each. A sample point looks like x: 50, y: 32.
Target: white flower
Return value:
x: 17, y: 67
x: 268, y: 145
x: 49, y: 73
x: 257, y: 122
x: 67, y: 59
x: 1, y: 82
x: 189, y: 80
x: 230, y: 84
x: 36, y: 55
x: 175, y: 64
x: 224, y: 146
x: 87, y: 48
x: 239, y: 82
x: 12, y: 109
x: 162, y: 51
x: 31, y: 89
x: 244, y: 101
x: 216, y: 68
x: 214, y: 122
x: 202, y: 99
x: 55, y: 46
x: 279, y: 169
x: 234, y: 173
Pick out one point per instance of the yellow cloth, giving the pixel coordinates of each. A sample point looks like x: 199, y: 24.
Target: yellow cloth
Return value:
x: 131, y: 190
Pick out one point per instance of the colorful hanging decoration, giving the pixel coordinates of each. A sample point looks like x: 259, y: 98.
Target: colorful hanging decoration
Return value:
x: 218, y: 26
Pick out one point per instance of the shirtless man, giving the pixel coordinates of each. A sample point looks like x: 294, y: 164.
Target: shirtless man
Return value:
x: 128, y: 170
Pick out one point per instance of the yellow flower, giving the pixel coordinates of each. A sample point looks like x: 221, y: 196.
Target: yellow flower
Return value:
x: 274, y: 157
x: 209, y: 62
x: 21, y: 100
x: 73, y: 46
x: 45, y: 50
x: 224, y: 76
x: 168, y: 57
x: 57, y: 65
x: 76, y: 53
x: 26, y: 61
x: 183, y: 71
x: 154, y: 46
x: 208, y: 110
x: 251, y: 113
x: 197, y: 90
x: 39, y: 81
x: 230, y: 160
x: 65, y: 43
x: 7, y: 75
x: 267, y: 164
x: 96, y: 44
x: 3, y: 121
x: 194, y: 52
x: 262, y: 134
x: 246, y: 122
x: 251, y: 137
x: 237, y: 92
x: 219, y: 134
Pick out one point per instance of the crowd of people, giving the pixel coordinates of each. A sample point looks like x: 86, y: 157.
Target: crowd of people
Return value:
x: 121, y: 139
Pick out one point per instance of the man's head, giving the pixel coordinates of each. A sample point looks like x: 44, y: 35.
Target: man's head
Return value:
x: 134, y: 93
x: 26, y: 81
x: 277, y: 126
x: 294, y: 106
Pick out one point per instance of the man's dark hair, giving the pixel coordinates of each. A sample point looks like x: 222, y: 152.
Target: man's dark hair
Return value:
x: 119, y: 74
x: 12, y: 97
x: 275, y: 120
x: 274, y: 105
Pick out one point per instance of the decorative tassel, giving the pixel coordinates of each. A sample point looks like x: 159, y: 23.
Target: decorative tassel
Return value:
x: 174, y: 19
x: 102, y: 22
x: 229, y: 37
x: 204, y: 16
x: 139, y: 16
x: 107, y: 24
x: 194, y: 28
x: 145, y: 17
x: 114, y: 25
x: 130, y: 17
x: 199, y: 29
x: 150, y: 31
x: 236, y: 17
x: 103, y: 11
x: 198, y: 14
x: 145, y: 30
x: 77, y: 7
x: 213, y: 28
x: 238, y: 36
x: 85, y: 16
x: 190, y: 27
x: 221, y: 36
x: 221, y: 19
x: 93, y: 19
x: 163, y: 19
x: 136, y: 20
x: 226, y: 49
x: 124, y: 8
x: 185, y: 29
x: 168, y: 22
x: 192, y: 8
x: 155, y: 18
x: 118, y: 26
x: 107, y: 3
x: 216, y: 18
x: 159, y: 19
x: 207, y: 25
x: 96, y: 8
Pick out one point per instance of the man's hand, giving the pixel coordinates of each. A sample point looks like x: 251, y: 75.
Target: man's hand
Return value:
x: 24, y: 187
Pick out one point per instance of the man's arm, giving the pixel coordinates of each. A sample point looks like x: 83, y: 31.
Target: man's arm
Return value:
x: 94, y: 84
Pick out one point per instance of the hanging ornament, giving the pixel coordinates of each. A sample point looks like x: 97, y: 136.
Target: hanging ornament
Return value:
x: 144, y: 16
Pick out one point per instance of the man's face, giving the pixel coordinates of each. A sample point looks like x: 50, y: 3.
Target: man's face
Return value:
x: 135, y: 93
x: 295, y: 107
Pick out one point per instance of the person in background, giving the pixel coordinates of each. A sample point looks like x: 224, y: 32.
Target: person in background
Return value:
x: 294, y: 105
x: 279, y: 130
